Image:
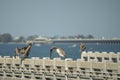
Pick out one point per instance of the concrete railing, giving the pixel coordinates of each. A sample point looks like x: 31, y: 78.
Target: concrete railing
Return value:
x: 57, y: 69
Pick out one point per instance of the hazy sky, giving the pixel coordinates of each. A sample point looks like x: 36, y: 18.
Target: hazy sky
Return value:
x: 60, y: 17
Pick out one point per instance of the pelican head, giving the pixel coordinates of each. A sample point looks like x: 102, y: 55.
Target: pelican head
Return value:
x: 51, y: 50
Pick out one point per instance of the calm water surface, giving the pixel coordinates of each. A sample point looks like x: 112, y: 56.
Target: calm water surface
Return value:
x: 72, y: 49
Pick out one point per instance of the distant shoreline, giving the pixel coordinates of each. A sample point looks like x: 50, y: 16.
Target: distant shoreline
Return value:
x: 12, y: 43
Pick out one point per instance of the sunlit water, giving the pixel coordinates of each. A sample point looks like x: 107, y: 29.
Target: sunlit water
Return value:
x: 72, y: 49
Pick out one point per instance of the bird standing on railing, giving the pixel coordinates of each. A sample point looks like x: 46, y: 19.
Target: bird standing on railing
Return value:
x: 23, y: 52
x: 59, y: 50
x: 82, y: 47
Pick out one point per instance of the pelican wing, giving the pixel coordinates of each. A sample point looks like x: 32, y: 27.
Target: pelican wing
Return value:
x: 61, y: 52
x: 16, y: 50
x: 27, y: 50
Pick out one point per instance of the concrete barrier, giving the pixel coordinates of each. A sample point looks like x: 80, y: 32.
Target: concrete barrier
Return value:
x: 91, y: 66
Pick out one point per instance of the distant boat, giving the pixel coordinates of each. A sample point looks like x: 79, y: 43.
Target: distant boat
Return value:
x: 72, y: 46
x: 38, y: 45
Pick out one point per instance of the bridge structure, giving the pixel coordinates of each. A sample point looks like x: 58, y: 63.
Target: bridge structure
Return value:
x: 104, y: 41
x: 113, y: 41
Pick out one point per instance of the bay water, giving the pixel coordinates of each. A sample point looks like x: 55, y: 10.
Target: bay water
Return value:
x: 72, y: 49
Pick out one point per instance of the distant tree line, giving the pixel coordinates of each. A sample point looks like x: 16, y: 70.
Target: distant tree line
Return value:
x: 7, y: 37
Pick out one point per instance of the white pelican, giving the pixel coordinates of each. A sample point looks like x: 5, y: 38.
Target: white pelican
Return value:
x: 60, y: 51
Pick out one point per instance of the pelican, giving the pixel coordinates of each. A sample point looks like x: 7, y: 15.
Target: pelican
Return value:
x: 23, y: 52
x: 60, y: 51
x: 82, y: 47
